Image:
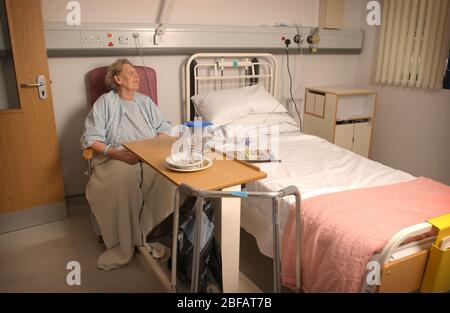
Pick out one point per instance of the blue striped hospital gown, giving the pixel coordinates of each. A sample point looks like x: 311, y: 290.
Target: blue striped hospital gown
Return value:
x: 132, y: 126
x: 115, y: 121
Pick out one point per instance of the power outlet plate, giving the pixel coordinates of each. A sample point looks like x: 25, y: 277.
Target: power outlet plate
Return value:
x: 290, y: 105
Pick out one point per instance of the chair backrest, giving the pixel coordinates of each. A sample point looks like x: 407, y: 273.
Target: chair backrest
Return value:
x: 147, y: 84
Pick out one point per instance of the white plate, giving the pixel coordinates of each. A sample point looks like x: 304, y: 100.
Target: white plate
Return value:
x: 207, y: 162
x: 181, y: 160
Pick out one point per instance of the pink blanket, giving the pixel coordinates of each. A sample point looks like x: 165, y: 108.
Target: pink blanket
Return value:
x: 341, y: 231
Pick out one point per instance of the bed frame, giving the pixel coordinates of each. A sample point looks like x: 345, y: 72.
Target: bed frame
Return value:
x: 212, y: 71
x: 215, y: 71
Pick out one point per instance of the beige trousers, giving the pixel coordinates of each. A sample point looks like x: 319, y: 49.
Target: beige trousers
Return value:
x: 127, y: 201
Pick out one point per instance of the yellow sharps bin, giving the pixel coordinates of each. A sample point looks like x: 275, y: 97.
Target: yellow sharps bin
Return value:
x: 437, y: 274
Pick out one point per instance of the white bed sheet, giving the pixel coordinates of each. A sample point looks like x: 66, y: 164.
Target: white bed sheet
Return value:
x: 316, y: 167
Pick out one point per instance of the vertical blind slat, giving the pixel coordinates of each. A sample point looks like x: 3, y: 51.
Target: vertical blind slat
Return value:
x: 428, y: 46
x: 382, y: 41
x: 434, y: 45
x: 418, y: 42
x: 395, y: 41
x: 388, y: 42
x: 410, y: 42
x: 406, y: 9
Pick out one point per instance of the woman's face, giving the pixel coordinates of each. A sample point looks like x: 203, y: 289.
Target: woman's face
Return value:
x: 128, y: 78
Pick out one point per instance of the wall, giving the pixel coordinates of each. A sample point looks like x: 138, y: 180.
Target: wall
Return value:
x: 68, y: 74
x: 412, y: 126
x: 220, y: 12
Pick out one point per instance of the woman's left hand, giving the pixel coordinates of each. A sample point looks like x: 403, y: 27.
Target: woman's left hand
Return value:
x: 162, y: 135
x: 124, y: 156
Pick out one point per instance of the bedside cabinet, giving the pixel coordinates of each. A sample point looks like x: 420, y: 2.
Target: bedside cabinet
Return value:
x: 343, y: 116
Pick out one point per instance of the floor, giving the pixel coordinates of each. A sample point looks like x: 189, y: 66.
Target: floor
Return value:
x: 35, y: 259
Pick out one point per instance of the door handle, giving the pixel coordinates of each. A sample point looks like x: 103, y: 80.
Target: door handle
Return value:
x: 32, y: 85
x: 40, y: 84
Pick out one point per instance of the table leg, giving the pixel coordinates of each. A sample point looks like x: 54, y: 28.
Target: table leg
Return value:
x: 229, y: 223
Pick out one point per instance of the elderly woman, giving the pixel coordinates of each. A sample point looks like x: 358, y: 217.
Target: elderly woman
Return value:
x: 122, y: 190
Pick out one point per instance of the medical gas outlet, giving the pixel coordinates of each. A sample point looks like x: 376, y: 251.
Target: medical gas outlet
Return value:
x: 314, y: 39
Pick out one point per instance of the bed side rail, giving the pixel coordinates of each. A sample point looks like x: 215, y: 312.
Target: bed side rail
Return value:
x: 428, y: 270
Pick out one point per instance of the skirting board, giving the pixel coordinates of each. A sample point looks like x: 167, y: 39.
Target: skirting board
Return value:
x: 32, y: 217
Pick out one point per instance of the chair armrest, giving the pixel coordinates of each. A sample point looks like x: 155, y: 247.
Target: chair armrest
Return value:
x: 88, y: 154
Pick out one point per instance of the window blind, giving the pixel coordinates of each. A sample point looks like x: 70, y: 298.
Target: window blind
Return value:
x: 413, y: 45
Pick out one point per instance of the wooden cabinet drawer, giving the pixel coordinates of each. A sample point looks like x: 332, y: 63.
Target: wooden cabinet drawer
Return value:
x: 315, y: 104
x: 319, y: 105
x: 310, y: 102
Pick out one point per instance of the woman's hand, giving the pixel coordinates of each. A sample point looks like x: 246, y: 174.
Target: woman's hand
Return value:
x: 116, y: 154
x: 124, y: 156
x: 162, y: 135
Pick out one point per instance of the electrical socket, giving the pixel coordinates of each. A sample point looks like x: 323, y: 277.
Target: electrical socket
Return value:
x: 298, y: 101
x: 291, y: 109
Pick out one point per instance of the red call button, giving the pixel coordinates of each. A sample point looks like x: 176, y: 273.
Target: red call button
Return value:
x: 110, y: 44
x: 110, y: 35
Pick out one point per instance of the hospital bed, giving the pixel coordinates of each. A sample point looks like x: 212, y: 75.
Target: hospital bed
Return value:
x: 411, y: 260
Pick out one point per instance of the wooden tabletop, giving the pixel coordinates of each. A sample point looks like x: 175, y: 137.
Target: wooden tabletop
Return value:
x: 222, y: 174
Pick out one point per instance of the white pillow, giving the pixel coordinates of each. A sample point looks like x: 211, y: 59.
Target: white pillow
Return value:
x: 265, y: 119
x: 223, y: 106
x: 262, y: 102
x: 260, y: 123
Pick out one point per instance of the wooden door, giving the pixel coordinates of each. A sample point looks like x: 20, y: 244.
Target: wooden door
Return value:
x: 31, y: 183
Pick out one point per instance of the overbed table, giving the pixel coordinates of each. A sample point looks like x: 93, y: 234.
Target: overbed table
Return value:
x: 226, y: 175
